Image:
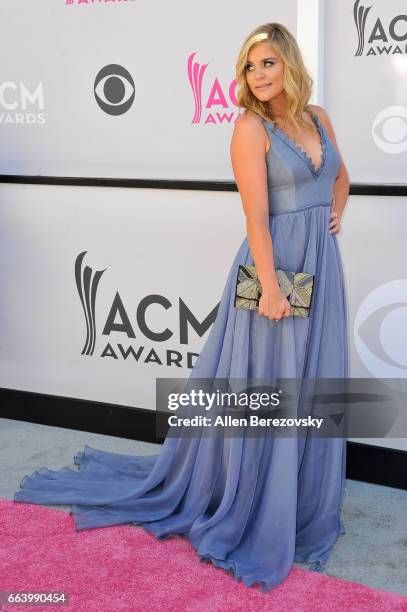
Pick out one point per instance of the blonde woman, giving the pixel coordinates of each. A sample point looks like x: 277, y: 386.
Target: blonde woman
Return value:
x: 250, y: 504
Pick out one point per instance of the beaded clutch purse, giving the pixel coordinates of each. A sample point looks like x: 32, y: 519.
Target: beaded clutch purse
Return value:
x: 296, y: 286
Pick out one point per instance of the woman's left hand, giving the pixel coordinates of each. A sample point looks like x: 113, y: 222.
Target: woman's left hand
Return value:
x: 334, y: 222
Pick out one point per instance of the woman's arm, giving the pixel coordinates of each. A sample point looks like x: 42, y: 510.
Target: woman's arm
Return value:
x: 342, y: 184
x: 247, y: 150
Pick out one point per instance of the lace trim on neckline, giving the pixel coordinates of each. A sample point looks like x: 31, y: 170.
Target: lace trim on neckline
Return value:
x: 314, y: 169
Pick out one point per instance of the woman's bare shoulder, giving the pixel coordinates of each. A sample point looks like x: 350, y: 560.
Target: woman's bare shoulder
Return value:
x: 326, y: 122
x: 322, y: 114
x: 248, y: 117
x: 251, y: 126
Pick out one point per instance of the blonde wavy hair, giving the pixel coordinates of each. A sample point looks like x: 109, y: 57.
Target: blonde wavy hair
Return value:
x: 297, y: 82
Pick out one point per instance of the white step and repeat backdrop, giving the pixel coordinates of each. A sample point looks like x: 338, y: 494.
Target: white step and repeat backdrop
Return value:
x: 365, y: 86
x: 105, y: 289
x: 123, y: 89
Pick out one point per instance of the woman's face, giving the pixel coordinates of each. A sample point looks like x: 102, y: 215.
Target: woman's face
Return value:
x: 264, y: 72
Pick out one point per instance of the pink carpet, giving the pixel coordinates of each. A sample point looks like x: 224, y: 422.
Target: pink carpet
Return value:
x: 126, y: 568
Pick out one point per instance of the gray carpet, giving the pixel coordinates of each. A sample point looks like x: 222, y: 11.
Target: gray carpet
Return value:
x: 373, y: 551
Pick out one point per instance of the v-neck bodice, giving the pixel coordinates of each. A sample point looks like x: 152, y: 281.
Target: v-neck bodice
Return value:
x: 294, y: 181
x: 293, y: 143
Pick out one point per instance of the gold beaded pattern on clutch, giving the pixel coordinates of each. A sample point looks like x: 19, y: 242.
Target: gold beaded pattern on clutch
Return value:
x: 296, y: 286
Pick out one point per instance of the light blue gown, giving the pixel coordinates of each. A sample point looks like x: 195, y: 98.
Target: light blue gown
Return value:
x: 251, y: 505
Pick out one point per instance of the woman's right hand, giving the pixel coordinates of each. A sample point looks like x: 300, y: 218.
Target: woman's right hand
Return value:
x: 274, y: 305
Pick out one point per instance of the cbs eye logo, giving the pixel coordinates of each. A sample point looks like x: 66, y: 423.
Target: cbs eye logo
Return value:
x: 391, y: 133
x: 114, y: 89
x: 380, y: 330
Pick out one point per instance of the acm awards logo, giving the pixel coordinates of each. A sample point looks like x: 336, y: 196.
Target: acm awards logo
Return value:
x: 22, y: 104
x: 118, y: 320
x: 381, y: 38
x: 94, y: 2
x: 216, y: 104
